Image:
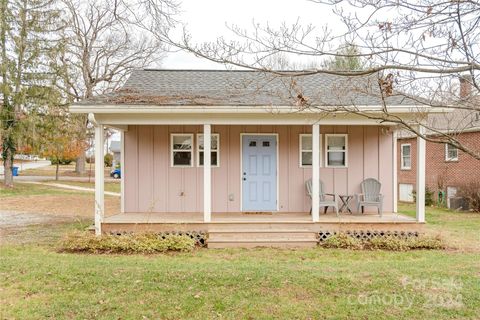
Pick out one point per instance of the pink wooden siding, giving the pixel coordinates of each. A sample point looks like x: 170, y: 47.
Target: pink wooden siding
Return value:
x: 152, y: 185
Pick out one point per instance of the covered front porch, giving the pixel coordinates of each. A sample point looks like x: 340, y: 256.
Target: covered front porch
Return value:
x: 207, y: 187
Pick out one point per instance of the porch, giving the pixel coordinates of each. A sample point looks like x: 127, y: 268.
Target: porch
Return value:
x: 243, y: 217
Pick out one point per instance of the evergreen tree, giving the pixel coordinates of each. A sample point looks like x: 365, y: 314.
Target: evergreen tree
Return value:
x: 26, y: 40
x: 346, y: 59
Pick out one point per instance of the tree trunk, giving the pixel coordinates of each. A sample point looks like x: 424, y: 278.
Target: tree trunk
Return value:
x: 81, y: 159
x: 80, y: 163
x: 56, y: 170
x: 8, y: 167
x: 90, y: 169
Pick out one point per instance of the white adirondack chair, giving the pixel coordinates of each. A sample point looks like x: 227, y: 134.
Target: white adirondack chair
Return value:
x: 324, y: 202
x: 370, y: 196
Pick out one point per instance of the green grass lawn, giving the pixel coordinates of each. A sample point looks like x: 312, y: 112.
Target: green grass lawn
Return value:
x: 459, y: 229
x: 37, y: 282
x: 25, y: 189
x: 35, y: 189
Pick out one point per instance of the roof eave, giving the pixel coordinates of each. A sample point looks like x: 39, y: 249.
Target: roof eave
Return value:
x: 136, y: 108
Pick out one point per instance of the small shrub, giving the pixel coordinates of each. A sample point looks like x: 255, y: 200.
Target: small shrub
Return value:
x: 179, y: 243
x: 426, y: 243
x: 343, y: 241
x: 428, y: 196
x: 471, y: 193
x: 108, y: 160
x: 389, y: 243
x: 64, y: 161
x: 129, y: 243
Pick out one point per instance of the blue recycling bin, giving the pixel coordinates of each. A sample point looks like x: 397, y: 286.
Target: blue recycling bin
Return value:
x: 15, y: 171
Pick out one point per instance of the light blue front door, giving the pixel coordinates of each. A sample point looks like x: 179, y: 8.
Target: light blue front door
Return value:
x: 259, y: 173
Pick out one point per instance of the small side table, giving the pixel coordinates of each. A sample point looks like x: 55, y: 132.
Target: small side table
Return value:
x: 345, y: 198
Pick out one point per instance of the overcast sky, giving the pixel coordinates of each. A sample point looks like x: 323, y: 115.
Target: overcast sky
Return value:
x: 206, y: 21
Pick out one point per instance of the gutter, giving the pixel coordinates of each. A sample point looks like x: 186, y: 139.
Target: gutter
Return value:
x: 244, y: 109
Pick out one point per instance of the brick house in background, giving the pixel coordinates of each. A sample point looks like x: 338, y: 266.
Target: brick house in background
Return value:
x: 447, y: 168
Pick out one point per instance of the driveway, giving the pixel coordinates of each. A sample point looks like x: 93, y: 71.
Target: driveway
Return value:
x: 23, y: 227
x: 16, y: 219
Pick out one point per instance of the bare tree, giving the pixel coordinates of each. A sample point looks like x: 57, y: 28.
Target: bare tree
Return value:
x: 102, y: 46
x: 418, y: 49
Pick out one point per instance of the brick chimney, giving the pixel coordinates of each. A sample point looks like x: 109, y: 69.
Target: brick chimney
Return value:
x: 465, y: 86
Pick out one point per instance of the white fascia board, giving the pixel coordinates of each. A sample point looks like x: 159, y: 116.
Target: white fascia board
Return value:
x: 244, y: 109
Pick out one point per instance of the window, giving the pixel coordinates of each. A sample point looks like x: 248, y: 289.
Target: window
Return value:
x: 215, y: 148
x: 405, y: 192
x: 451, y: 153
x: 182, y: 150
x: 306, y: 157
x: 336, y: 150
x: 406, y: 157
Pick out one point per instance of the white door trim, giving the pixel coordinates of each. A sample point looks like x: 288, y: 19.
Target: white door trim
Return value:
x: 241, y: 164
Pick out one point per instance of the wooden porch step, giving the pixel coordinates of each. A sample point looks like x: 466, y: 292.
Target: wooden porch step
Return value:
x: 256, y: 244
x: 261, y: 235
x: 278, y: 238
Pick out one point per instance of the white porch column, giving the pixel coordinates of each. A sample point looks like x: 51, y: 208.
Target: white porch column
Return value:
x: 207, y: 174
x: 421, y: 146
x: 395, y: 172
x: 122, y: 170
x: 99, y: 178
x: 315, y: 172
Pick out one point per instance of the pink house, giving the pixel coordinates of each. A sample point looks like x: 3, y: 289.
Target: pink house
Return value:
x: 229, y: 153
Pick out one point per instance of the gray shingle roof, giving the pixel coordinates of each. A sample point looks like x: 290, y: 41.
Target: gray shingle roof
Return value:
x: 455, y: 122
x: 245, y: 88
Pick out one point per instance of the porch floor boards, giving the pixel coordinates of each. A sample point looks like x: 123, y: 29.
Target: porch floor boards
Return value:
x: 239, y: 217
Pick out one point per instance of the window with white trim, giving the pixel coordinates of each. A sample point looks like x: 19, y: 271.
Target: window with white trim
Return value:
x: 181, y: 146
x: 305, y: 149
x: 451, y: 152
x: 336, y: 150
x: 215, y: 150
x: 406, y: 155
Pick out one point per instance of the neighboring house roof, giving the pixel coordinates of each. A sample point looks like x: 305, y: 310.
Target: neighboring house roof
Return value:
x: 245, y: 88
x: 455, y: 122
x: 115, y: 146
